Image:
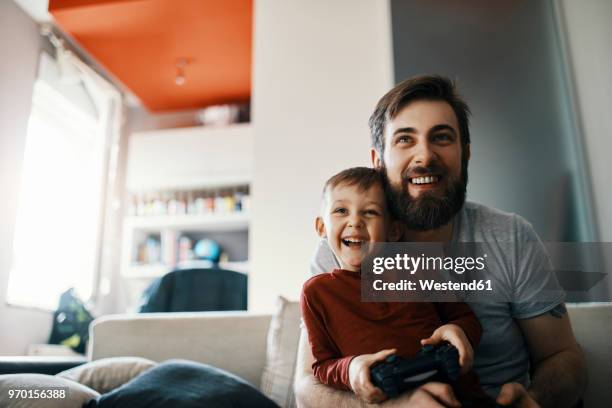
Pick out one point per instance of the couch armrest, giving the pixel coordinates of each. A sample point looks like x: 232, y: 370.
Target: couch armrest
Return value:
x: 591, y: 324
x: 38, y: 364
x: 233, y: 341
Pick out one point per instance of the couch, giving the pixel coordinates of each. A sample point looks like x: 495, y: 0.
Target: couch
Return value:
x: 238, y: 341
x: 261, y: 348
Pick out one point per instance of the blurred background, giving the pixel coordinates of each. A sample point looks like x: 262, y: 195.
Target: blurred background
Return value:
x: 138, y: 137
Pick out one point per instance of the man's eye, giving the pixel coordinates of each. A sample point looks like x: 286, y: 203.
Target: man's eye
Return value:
x: 441, y: 137
x: 403, y: 139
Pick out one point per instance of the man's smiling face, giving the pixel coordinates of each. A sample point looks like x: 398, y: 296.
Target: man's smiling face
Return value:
x: 422, y: 158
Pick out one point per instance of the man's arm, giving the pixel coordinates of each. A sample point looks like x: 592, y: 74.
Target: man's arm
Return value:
x: 309, y: 392
x: 559, y: 369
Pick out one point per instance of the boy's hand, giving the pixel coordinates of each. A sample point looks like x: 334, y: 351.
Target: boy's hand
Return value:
x: 359, y: 376
x: 455, y: 336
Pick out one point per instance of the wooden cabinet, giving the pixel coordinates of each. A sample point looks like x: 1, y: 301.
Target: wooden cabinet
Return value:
x: 185, y: 158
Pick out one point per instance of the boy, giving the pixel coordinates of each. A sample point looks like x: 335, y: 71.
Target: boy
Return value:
x: 346, y: 335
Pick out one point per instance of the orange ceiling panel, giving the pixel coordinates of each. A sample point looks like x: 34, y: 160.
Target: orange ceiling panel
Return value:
x: 141, y: 42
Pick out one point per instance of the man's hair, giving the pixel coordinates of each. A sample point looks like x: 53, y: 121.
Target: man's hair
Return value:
x: 424, y: 87
x: 361, y: 177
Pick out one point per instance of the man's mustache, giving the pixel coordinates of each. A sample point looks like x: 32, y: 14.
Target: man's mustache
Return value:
x: 419, y: 171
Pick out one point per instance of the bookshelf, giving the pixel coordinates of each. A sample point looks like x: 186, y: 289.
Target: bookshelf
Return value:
x: 167, y: 231
x: 185, y: 185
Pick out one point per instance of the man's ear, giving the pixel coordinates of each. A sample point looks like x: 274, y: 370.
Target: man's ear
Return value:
x: 374, y: 158
x: 320, y: 227
x: 396, y: 231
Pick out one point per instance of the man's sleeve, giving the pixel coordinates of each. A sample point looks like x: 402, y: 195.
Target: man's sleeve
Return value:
x: 323, y: 259
x: 460, y: 314
x: 535, y: 286
x: 329, y: 367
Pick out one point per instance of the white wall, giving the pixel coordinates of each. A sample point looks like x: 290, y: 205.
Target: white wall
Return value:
x: 319, y: 69
x: 19, y: 45
x: 507, y: 63
x: 588, y: 29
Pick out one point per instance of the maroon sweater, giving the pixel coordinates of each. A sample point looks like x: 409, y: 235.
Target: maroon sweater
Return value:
x: 341, y: 326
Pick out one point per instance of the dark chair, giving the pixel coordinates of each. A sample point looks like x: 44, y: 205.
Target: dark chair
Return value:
x: 194, y: 290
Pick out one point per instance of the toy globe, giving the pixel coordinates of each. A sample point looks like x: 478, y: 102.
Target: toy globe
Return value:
x: 207, y: 249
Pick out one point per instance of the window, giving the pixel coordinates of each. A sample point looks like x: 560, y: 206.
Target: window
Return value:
x: 57, y: 237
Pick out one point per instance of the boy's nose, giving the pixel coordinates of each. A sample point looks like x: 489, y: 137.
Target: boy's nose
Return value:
x: 355, y: 221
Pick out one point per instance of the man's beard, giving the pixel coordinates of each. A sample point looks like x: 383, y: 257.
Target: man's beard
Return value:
x: 428, y: 211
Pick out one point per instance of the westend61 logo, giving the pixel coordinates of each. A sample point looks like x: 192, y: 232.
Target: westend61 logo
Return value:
x: 484, y: 272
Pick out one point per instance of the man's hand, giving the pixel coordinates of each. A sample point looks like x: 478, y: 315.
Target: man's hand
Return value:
x: 455, y: 336
x: 516, y: 395
x: 430, y: 395
x: 359, y: 376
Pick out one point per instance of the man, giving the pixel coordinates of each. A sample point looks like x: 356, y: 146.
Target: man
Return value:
x: 421, y: 141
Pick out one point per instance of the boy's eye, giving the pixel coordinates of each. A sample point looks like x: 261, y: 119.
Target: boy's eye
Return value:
x: 340, y: 211
x: 372, y: 212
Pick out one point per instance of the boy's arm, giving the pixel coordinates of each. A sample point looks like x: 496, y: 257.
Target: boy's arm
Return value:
x: 329, y: 366
x: 460, y: 314
x: 310, y: 393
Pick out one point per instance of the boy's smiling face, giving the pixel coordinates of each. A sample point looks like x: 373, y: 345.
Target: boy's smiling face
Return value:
x: 350, y: 218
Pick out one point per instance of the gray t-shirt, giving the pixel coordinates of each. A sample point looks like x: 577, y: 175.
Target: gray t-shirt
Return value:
x: 502, y: 354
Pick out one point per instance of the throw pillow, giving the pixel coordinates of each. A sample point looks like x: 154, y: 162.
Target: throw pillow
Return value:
x: 107, y: 374
x: 185, y: 384
x: 76, y: 394
x: 283, y: 339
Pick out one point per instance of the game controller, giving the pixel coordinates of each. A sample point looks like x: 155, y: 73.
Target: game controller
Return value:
x: 395, y: 374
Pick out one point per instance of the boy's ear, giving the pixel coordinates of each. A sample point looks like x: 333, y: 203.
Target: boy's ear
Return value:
x: 374, y: 158
x: 320, y: 227
x: 396, y: 231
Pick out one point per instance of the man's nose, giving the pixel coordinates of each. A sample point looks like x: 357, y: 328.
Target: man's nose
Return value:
x: 423, y: 154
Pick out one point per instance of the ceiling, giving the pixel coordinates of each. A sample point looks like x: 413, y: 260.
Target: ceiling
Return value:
x: 144, y: 43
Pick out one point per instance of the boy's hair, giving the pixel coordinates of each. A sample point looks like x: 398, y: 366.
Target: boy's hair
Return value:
x: 424, y: 87
x: 361, y: 177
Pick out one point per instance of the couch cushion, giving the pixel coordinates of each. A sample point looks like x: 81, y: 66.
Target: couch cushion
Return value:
x: 77, y: 394
x: 185, y: 384
x: 233, y: 341
x: 108, y: 373
x: 283, y: 339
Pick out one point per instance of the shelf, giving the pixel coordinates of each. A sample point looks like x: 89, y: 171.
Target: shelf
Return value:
x: 211, y: 222
x: 145, y: 271
x: 156, y: 270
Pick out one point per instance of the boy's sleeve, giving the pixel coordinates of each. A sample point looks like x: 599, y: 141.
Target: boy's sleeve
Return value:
x: 329, y: 367
x: 460, y: 314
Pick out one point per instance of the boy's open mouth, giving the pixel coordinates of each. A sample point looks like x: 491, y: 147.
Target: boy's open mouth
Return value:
x: 425, y: 180
x: 352, y: 242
